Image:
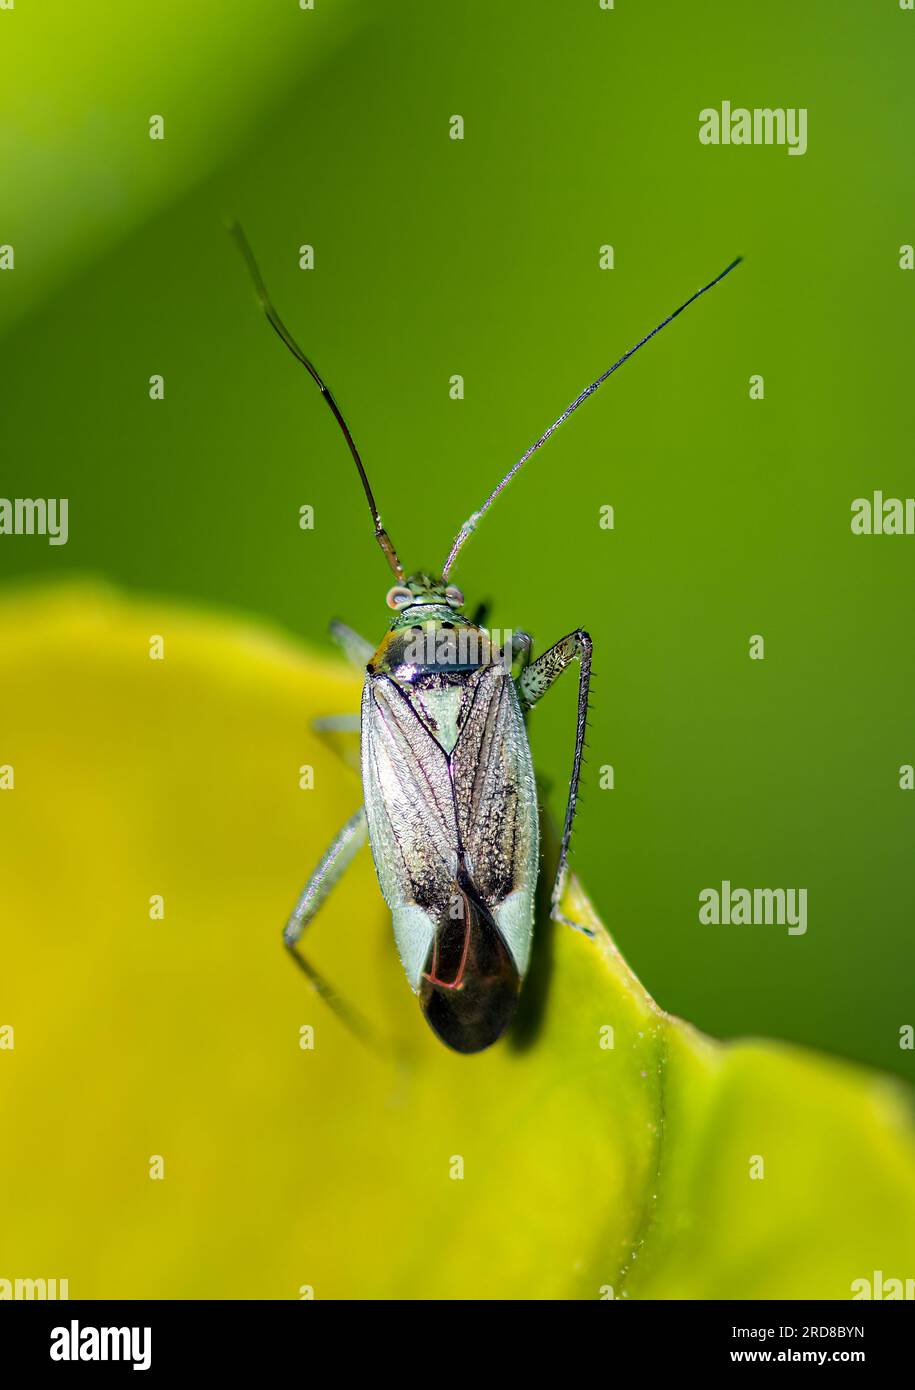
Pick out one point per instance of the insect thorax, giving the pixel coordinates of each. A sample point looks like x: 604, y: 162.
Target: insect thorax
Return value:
x: 435, y: 643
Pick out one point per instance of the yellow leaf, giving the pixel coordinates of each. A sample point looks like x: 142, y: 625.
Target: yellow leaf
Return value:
x: 152, y: 844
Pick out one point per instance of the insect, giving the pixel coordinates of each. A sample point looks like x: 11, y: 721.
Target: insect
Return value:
x: 450, y: 803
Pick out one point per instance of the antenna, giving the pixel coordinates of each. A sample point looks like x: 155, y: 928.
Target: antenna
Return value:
x: 471, y: 524
x: 276, y: 323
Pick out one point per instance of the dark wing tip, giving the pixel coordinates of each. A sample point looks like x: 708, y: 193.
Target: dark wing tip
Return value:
x: 470, y: 986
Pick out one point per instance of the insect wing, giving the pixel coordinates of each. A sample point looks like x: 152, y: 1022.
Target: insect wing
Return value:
x: 411, y: 818
x: 496, y: 801
x: 425, y: 807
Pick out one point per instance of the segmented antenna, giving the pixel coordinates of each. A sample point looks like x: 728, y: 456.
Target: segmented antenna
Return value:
x: 471, y: 524
x: 282, y: 332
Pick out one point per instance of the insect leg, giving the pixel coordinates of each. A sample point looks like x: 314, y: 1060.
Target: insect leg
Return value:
x: 522, y: 642
x: 534, y: 681
x: 340, y: 733
x: 334, y: 727
x: 337, y: 724
x: 355, y: 648
x: 334, y: 862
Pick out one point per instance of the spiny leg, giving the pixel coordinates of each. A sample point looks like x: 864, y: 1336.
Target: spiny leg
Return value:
x: 534, y: 681
x: 334, y: 862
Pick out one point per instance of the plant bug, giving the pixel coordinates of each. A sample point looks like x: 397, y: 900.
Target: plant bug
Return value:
x: 450, y: 802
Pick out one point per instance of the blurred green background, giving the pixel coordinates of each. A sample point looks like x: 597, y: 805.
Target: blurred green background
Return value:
x: 480, y: 257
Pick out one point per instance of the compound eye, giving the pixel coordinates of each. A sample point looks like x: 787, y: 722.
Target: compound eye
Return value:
x: 398, y: 597
x: 454, y: 596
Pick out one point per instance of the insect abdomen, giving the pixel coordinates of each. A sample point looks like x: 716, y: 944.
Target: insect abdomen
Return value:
x: 470, y: 985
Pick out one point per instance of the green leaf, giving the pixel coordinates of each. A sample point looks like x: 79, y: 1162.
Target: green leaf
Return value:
x: 585, y: 1167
